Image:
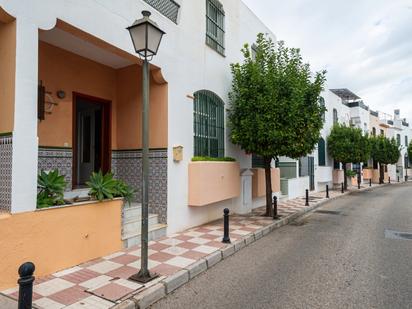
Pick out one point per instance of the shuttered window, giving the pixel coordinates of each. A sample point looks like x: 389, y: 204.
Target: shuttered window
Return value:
x: 322, y: 104
x: 209, y: 127
x: 168, y: 8
x: 321, y: 152
x: 215, y: 26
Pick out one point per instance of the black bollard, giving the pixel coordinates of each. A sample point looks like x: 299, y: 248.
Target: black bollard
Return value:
x: 275, y: 207
x: 307, y: 198
x: 25, y: 282
x: 398, y: 178
x: 226, y: 238
x: 342, y: 188
x: 327, y: 191
x: 358, y: 184
x: 406, y: 178
x: 389, y: 179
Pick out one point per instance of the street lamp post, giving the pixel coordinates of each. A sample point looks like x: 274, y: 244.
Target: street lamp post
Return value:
x: 146, y: 37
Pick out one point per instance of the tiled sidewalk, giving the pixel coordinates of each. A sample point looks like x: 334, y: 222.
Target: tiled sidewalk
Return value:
x: 102, y: 283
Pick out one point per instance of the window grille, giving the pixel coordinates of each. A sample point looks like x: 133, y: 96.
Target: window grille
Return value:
x: 335, y: 116
x: 209, y: 127
x: 321, y: 152
x: 168, y: 8
x: 215, y: 26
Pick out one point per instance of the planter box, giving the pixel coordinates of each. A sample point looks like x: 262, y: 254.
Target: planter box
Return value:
x: 367, y: 173
x: 58, y: 237
x: 259, y: 181
x: 211, y: 182
x: 337, y: 177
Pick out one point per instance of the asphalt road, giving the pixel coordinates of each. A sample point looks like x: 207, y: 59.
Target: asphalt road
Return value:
x: 320, y: 261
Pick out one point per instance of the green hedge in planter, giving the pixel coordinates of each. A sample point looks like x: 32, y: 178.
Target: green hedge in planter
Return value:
x: 224, y: 159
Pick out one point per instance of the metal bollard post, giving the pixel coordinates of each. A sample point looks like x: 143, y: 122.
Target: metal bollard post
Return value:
x: 226, y: 238
x: 398, y: 178
x: 25, y: 282
x: 307, y: 198
x: 342, y: 188
x: 327, y: 191
x: 275, y: 207
x: 358, y: 184
x: 389, y: 179
x: 406, y: 178
x: 370, y: 182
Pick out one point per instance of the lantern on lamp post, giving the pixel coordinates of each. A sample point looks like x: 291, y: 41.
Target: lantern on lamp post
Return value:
x: 146, y: 37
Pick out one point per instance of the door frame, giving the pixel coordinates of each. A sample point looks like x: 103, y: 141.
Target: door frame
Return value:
x: 106, y: 149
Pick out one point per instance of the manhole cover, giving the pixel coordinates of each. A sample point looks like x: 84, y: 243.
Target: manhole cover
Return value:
x: 391, y: 234
x: 328, y: 212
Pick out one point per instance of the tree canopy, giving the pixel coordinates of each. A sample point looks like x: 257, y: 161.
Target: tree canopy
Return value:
x: 274, y: 107
x: 384, y: 150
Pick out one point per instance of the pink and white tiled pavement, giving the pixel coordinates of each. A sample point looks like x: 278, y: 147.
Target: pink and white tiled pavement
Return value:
x: 102, y: 283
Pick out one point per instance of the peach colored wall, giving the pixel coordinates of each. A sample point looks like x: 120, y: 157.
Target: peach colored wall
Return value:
x: 62, y: 70
x: 337, y: 177
x: 211, y: 182
x: 129, y: 110
x: 259, y: 181
x: 367, y: 173
x: 55, y: 239
x: 7, y: 75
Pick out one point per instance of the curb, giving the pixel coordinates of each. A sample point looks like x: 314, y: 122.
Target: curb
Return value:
x: 151, y: 295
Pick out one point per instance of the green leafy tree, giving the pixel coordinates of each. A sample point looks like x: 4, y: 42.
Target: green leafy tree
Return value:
x: 348, y: 145
x: 384, y: 151
x: 409, y: 150
x: 274, y: 107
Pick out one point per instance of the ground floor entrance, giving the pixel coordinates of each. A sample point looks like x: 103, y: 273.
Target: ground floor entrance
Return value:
x: 91, y: 137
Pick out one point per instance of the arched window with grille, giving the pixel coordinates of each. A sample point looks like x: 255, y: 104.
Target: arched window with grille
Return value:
x: 209, y: 124
x: 321, y: 152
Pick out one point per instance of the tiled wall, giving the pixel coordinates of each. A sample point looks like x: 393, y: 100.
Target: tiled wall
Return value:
x: 6, y: 155
x: 57, y: 158
x: 127, y: 165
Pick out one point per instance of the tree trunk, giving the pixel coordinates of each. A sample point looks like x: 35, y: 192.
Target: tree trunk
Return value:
x: 345, y: 179
x: 381, y: 173
x: 268, y: 178
x: 359, y: 174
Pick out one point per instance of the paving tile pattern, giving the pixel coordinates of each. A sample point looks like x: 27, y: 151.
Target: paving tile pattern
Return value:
x: 102, y: 283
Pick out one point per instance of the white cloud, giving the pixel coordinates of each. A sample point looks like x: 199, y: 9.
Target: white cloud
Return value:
x: 366, y: 45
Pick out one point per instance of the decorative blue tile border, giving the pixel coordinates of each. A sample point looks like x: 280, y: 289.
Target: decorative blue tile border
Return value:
x: 127, y: 165
x: 6, y: 160
x: 51, y: 158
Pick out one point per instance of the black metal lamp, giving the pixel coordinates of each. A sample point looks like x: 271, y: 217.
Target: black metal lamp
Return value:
x: 146, y: 36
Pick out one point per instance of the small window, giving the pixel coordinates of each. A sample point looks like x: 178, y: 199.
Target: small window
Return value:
x: 322, y: 104
x: 374, y: 131
x: 336, y: 164
x: 168, y: 8
x: 215, y: 26
x: 335, y: 116
x: 382, y: 132
x: 209, y: 131
x: 406, y: 141
x: 321, y: 152
x: 398, y: 139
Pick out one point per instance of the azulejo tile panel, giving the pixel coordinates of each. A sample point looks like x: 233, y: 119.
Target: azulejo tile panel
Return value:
x: 127, y: 165
x: 57, y: 158
x: 6, y: 155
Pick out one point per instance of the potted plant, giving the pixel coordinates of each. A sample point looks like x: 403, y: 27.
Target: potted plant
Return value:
x: 51, y: 187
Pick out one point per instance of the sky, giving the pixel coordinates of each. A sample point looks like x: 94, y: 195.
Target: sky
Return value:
x: 365, y: 45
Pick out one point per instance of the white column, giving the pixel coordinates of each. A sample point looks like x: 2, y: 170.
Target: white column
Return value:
x: 246, y: 203
x: 25, y: 143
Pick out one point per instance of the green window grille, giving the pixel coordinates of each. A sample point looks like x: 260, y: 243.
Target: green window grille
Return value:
x: 215, y: 26
x: 321, y: 152
x: 335, y: 116
x: 322, y: 104
x: 406, y: 141
x: 209, y: 125
x: 168, y: 8
x: 257, y: 161
x: 398, y: 139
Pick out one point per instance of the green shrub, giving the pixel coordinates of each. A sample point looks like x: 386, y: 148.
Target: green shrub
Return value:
x: 51, y: 187
x: 351, y: 173
x: 106, y: 187
x: 224, y: 159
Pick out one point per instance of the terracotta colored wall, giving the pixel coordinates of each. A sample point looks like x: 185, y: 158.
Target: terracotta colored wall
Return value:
x: 211, y: 182
x: 129, y: 110
x: 55, y: 239
x: 367, y: 174
x: 7, y: 75
x: 62, y: 70
x: 259, y: 181
x: 337, y: 177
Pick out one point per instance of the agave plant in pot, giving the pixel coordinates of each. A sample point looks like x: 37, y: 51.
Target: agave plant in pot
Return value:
x: 51, y: 187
